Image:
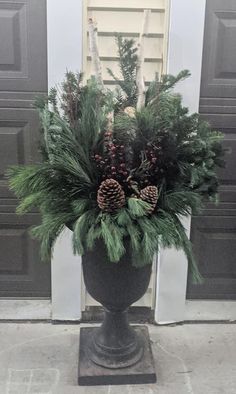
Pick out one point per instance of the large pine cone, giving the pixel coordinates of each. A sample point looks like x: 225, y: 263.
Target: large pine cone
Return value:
x: 110, y: 196
x: 150, y: 195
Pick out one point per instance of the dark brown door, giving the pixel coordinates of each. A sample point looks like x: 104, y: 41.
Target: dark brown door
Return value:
x: 214, y: 232
x: 23, y: 74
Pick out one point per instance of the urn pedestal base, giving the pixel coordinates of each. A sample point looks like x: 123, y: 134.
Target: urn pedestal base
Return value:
x: 91, y: 374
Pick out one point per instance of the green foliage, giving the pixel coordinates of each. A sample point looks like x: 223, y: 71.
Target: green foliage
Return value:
x: 184, y: 202
x: 81, y: 227
x: 70, y: 97
x: 161, y: 145
x: 48, y: 231
x: 127, y: 53
x: 137, y: 207
x: 165, y: 84
x: 113, y: 238
x: 125, y: 128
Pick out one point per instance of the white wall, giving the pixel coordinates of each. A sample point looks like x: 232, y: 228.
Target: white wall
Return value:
x: 64, y: 28
x: 64, y: 24
x: 186, y: 30
x: 187, y: 19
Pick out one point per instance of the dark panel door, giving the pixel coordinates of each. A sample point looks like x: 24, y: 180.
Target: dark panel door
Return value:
x: 214, y: 232
x: 23, y: 74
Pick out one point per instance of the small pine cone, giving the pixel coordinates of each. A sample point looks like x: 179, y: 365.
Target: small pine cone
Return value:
x: 150, y: 195
x: 110, y: 196
x: 130, y: 111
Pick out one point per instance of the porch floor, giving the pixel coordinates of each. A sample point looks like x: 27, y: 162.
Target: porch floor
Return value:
x: 190, y: 359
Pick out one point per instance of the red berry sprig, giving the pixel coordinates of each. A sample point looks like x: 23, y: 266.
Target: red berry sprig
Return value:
x: 112, y: 163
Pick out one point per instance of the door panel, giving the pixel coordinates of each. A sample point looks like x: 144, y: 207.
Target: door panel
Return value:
x: 22, y: 274
x: 23, y: 75
x: 219, y: 53
x: 214, y: 232
x: 24, y: 48
x: 19, y: 141
x: 214, y: 238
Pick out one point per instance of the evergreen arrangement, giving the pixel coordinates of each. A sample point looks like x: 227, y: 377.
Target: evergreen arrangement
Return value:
x: 113, y: 170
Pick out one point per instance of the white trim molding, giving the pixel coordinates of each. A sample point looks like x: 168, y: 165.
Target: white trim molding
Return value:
x: 64, y: 26
x: 186, y: 30
x: 172, y: 272
x: 66, y: 280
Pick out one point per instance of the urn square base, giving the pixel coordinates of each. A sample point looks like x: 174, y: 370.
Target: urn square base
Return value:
x: 91, y: 374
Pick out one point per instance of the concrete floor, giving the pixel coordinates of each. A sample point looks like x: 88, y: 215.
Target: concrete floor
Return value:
x: 190, y: 359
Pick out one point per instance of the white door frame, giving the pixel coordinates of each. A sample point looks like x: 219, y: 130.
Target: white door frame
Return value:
x: 185, y: 45
x: 64, y: 28
x: 184, y: 52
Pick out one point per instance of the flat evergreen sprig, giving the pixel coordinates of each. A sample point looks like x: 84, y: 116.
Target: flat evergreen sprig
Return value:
x: 127, y: 53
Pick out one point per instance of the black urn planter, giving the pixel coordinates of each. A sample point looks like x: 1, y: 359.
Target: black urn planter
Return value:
x: 113, y: 350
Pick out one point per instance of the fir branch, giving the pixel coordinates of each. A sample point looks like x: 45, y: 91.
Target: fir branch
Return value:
x: 127, y: 52
x: 168, y: 81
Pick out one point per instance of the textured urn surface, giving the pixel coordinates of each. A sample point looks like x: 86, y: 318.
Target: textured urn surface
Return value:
x: 116, y: 287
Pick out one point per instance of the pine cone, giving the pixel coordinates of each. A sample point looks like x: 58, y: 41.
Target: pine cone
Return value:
x: 130, y: 111
x: 110, y: 196
x: 150, y: 195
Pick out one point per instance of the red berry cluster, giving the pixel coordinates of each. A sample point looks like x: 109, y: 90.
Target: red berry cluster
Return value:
x: 112, y: 162
x: 152, y: 155
x: 153, y: 171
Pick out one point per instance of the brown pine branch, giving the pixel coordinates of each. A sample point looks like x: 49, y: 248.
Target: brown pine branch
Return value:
x: 140, y: 62
x: 93, y: 44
